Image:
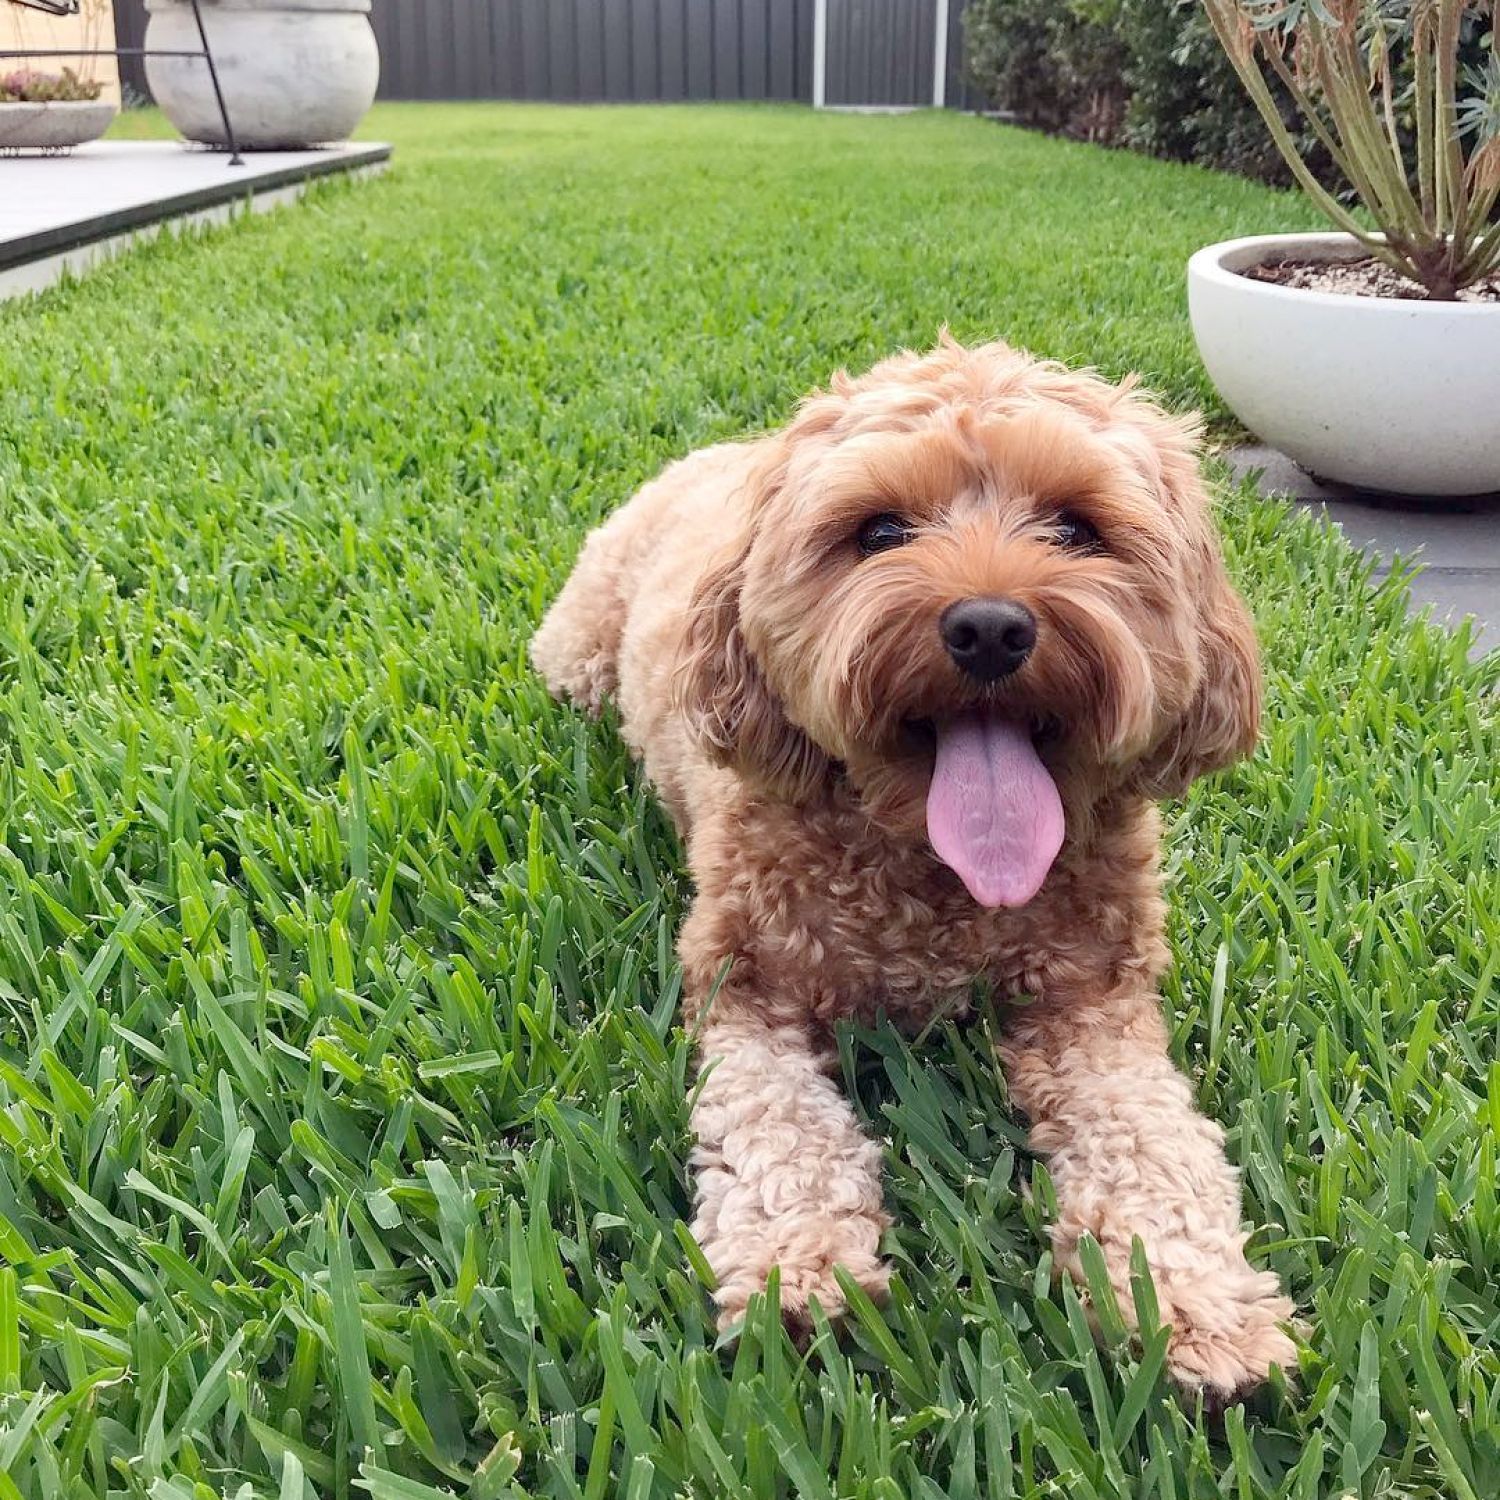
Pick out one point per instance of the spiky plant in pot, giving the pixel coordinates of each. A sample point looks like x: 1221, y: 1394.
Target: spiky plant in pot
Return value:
x: 1412, y: 126
x: 1370, y: 355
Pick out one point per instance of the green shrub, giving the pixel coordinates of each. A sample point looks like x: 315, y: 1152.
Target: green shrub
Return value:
x: 1058, y: 65
x: 1185, y: 102
x: 1149, y: 74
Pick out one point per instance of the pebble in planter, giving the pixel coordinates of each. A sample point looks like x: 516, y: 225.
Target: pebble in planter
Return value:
x: 295, y: 73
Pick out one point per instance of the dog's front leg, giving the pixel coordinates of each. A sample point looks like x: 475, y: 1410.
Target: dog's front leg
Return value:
x: 1129, y: 1155
x: 785, y: 1177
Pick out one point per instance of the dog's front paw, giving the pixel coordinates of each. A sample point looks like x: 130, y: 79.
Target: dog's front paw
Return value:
x: 805, y: 1254
x: 1226, y: 1347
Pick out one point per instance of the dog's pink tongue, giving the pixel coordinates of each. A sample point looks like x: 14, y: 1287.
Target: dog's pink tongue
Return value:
x: 993, y: 813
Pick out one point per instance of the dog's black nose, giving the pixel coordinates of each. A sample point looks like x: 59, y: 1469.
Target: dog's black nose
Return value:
x: 988, y: 638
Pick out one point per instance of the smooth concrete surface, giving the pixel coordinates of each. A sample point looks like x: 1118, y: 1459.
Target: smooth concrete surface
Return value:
x: 63, y: 214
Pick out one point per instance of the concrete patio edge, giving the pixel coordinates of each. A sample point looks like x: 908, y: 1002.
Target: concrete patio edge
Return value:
x: 239, y: 182
x: 62, y: 217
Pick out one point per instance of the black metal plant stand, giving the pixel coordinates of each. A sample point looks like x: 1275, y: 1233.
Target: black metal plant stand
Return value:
x: 70, y: 8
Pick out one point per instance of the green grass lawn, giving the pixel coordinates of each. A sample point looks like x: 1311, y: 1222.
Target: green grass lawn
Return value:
x: 342, y: 1123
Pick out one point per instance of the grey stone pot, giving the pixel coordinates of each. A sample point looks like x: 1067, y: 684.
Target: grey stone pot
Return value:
x: 54, y: 125
x: 295, y: 73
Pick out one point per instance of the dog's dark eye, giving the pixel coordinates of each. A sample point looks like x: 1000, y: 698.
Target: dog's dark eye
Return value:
x: 881, y: 533
x: 1075, y: 532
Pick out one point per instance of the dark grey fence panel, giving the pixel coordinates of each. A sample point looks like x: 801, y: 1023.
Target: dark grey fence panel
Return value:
x: 698, y: 37
x: 437, y: 33
x: 802, y: 70
x: 723, y: 22
x: 476, y: 50
x: 593, y: 49
x: 409, y: 44
x: 781, y: 52
x: 670, y: 20
x: 588, y: 20
x: 508, y: 45
x: 525, y: 71
x: 563, y: 71
x: 614, y: 33
x: 645, y: 55
x: 879, y: 51
x: 755, y: 43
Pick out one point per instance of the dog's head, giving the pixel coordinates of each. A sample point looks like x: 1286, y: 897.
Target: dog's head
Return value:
x: 987, y: 587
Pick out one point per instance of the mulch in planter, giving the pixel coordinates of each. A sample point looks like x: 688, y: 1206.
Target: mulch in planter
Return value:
x: 1359, y: 278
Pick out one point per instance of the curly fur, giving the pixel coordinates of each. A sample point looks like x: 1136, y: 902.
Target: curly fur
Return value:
x: 769, y: 678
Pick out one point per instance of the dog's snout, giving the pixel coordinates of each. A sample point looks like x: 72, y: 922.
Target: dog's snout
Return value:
x: 988, y: 638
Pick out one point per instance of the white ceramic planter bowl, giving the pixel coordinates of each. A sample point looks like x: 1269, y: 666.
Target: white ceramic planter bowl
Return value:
x: 54, y: 125
x: 294, y: 72
x: 1380, y: 393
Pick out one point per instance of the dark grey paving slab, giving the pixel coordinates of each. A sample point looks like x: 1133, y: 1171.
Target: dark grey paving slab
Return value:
x: 1455, y: 593
x: 1456, y: 547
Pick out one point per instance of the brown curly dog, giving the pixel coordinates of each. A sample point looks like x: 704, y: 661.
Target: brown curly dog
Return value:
x: 910, y: 676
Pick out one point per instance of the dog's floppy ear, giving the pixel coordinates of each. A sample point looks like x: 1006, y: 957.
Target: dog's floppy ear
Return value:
x: 720, y: 686
x: 1222, y: 718
x: 1221, y: 721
